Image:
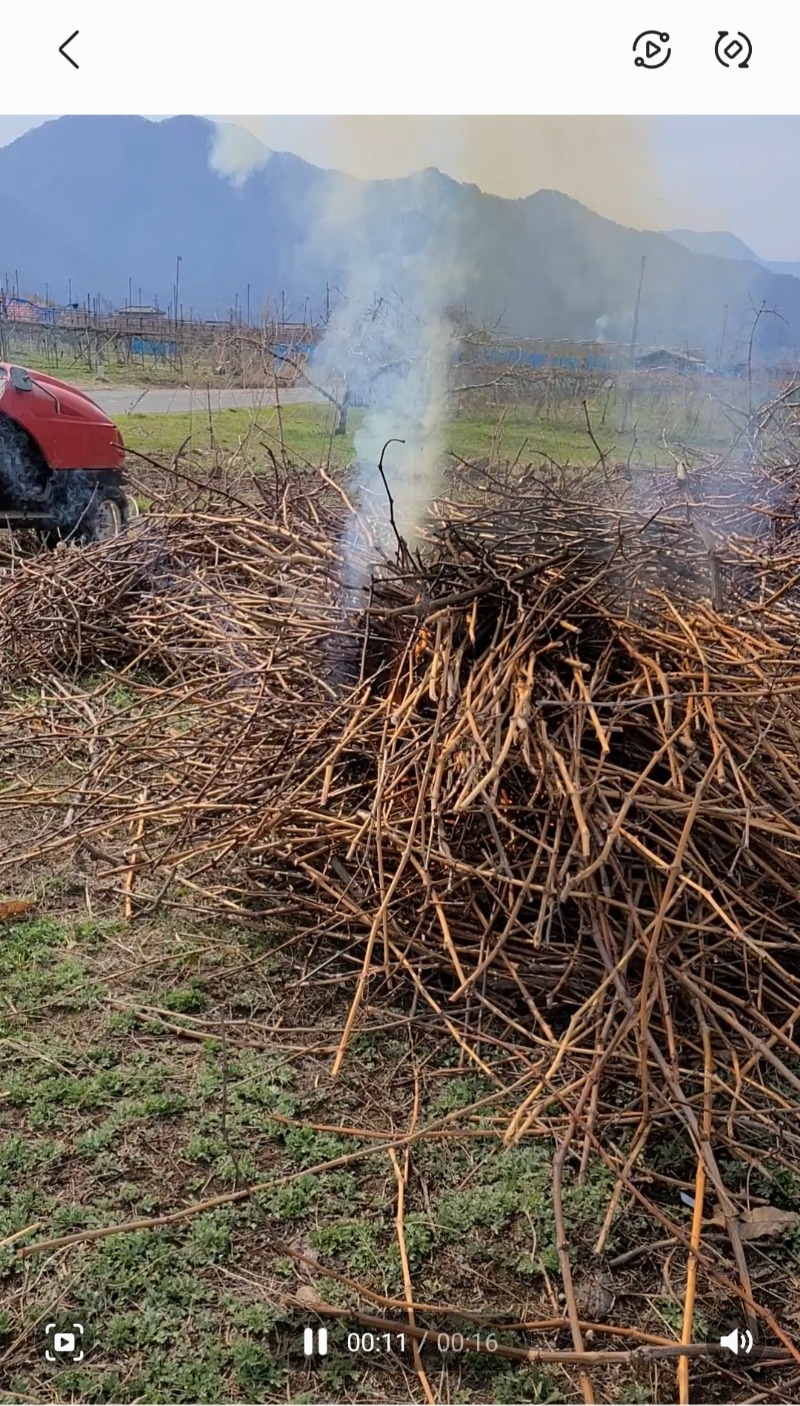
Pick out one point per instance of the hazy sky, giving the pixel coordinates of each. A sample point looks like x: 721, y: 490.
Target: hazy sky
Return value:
x: 707, y: 173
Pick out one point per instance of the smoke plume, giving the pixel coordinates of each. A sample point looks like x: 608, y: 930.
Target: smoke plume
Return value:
x: 236, y: 151
x: 387, y: 347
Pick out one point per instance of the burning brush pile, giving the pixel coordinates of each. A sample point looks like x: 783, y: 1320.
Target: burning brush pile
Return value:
x: 548, y: 775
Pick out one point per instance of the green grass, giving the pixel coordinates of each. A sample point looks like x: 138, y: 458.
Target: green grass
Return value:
x: 306, y: 430
x: 634, y: 429
x: 559, y: 433
x: 111, y: 1116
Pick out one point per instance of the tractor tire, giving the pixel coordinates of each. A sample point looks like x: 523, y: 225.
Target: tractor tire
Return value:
x: 87, y: 515
x: 110, y: 516
x: 23, y: 473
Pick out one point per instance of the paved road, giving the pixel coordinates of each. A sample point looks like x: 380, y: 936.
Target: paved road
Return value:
x: 124, y: 400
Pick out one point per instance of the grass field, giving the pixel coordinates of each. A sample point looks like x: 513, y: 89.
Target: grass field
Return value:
x: 175, y: 1067
x: 126, y: 1098
x: 524, y: 432
x: 159, y: 1065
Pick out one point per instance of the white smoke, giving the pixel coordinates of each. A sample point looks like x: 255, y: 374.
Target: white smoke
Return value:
x: 388, y: 346
x: 235, y: 152
x: 600, y: 326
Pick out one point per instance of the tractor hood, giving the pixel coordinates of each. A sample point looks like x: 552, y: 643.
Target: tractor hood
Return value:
x: 70, y: 430
x: 69, y: 400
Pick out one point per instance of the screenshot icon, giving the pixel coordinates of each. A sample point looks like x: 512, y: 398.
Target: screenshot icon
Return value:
x: 64, y: 1343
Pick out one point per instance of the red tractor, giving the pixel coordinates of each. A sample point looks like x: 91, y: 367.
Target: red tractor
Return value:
x: 61, y: 461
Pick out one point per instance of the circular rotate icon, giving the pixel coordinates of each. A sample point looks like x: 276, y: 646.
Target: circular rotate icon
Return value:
x: 733, y: 50
x: 649, y: 48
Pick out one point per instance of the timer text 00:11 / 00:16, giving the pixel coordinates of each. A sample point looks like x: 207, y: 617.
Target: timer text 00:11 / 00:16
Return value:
x: 396, y: 1342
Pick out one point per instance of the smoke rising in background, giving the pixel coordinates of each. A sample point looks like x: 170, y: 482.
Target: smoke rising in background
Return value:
x: 388, y: 343
x: 236, y: 152
x: 630, y: 169
x: 394, y: 365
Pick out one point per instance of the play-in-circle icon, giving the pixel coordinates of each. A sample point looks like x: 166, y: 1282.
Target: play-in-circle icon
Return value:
x: 650, y: 49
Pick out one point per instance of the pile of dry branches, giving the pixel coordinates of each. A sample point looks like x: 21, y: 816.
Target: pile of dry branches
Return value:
x: 548, y: 775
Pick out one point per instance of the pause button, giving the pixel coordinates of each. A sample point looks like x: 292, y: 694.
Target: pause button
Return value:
x: 315, y: 1341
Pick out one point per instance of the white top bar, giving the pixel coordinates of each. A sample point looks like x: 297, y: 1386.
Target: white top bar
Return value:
x: 418, y: 57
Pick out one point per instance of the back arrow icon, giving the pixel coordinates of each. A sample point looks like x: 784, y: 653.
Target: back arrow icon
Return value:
x: 62, y: 49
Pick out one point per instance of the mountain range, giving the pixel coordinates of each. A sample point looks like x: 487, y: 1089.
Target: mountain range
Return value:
x: 106, y: 205
x: 727, y: 246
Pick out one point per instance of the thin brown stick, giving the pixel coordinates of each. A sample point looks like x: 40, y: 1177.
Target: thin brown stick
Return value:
x: 133, y: 859
x: 697, y: 1214
x: 562, y: 1245
x: 401, y: 1177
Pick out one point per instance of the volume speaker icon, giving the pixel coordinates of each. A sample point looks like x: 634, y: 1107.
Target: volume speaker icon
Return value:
x: 315, y: 1342
x: 739, y: 1340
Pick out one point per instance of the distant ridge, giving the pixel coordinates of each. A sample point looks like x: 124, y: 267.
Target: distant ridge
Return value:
x: 109, y: 203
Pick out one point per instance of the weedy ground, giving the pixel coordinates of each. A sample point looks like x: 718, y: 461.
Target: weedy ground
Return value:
x: 663, y: 418
x: 154, y: 1065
